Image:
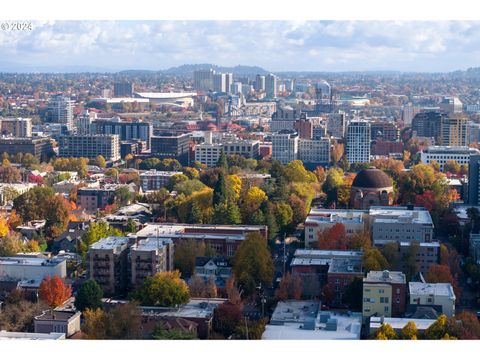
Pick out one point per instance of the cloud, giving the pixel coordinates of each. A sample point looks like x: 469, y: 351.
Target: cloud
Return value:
x: 275, y: 45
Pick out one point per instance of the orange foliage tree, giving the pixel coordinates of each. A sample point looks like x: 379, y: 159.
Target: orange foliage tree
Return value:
x: 54, y: 291
x: 442, y: 274
x: 334, y: 238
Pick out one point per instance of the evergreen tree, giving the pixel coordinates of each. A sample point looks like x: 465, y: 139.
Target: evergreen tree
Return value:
x: 220, y: 215
x: 220, y: 195
x: 196, y: 215
x: 233, y: 214
x: 222, y: 162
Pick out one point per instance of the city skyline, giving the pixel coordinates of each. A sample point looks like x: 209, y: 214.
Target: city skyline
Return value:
x: 320, y: 46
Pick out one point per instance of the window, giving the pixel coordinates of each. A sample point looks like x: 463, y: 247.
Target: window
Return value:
x: 386, y: 308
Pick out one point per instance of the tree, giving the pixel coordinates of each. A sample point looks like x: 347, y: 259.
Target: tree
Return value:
x: 296, y: 172
x: 226, y: 317
x: 10, y: 174
x: 161, y: 332
x: 385, y: 332
x: 220, y: 195
x: 437, y: 330
x: 100, y: 161
x: 222, y: 162
x: 53, y: 291
x: 452, y: 166
x: 31, y: 204
x: 333, y: 238
x: 374, y: 260
x: 442, y: 274
x: 233, y: 214
x: 409, y: 331
x: 255, y: 329
x: 253, y: 263
x: 391, y: 253
x: 253, y: 199
x: 95, y: 324
x: 199, y: 288
x: 290, y: 287
x: 185, y: 254
x: 163, y: 289
x: 10, y: 244
x: 354, y: 294
x: 332, y: 182
x: 284, y: 215
x: 122, y: 196
x: 89, y: 296
x: 464, y: 326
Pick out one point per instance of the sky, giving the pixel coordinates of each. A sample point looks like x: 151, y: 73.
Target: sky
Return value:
x: 411, y: 46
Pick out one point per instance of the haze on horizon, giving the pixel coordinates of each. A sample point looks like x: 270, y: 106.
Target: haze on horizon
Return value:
x: 330, y: 46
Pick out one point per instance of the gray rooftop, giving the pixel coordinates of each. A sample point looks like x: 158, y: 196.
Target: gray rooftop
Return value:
x: 394, y: 277
x: 111, y: 242
x: 439, y: 289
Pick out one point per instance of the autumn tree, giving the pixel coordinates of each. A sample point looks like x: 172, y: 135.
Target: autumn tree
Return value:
x: 163, y: 289
x: 437, y: 330
x: 89, y: 296
x: 185, y: 254
x: 250, y: 204
x: 200, y: 288
x: 409, y: 331
x: 464, y: 326
x: 452, y: 166
x: 253, y: 263
x: 10, y: 244
x: 333, y: 238
x: 290, y: 287
x: 385, y: 332
x: 252, y: 330
x: 333, y: 182
x: 442, y: 274
x: 53, y: 291
x: 374, y: 260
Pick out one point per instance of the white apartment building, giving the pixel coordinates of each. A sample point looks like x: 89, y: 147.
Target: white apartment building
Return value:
x: 208, y: 153
x: 440, y: 294
x: 285, y: 146
x: 336, y: 125
x: 60, y: 110
x: 29, y: 268
x: 442, y: 154
x: 271, y: 86
x: 358, y: 141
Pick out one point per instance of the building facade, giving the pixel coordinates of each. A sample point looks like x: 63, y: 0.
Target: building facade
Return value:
x: 442, y: 154
x: 90, y: 146
x: 153, y: 180
x: 384, y: 294
x: 427, y: 294
x: 453, y: 131
x: 172, y: 146
x: 358, y: 142
x: 127, y: 131
x: 40, y: 147
x: 16, y: 127
x: 285, y: 146
x: 60, y: 110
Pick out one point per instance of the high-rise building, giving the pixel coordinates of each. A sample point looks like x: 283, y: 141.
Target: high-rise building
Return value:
x: 358, y: 142
x: 236, y: 88
x: 285, y: 146
x: 16, y: 127
x: 451, y: 105
x: 127, y: 131
x: 304, y: 128
x: 203, y: 80
x: 219, y: 83
x: 89, y: 146
x: 83, y: 122
x: 453, y: 131
x: 172, y: 146
x: 427, y: 124
x: 260, y: 83
x: 384, y: 130
x: 123, y: 89
x: 271, y: 86
x: 474, y: 180
x: 228, y: 81
x: 284, y: 118
x: 336, y: 125
x: 60, y: 110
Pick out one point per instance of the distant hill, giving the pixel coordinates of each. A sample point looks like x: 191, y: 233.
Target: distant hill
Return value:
x: 239, y: 70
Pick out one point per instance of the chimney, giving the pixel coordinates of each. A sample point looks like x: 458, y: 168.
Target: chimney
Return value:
x: 386, y: 274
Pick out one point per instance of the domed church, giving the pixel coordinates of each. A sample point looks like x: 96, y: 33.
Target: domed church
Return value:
x: 371, y: 187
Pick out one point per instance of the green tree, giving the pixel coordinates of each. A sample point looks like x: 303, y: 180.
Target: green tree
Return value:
x: 163, y: 289
x: 437, y: 330
x: 332, y: 183
x: 220, y: 195
x: 185, y: 254
x: 31, y: 204
x: 255, y: 329
x: 222, y: 162
x: 89, y: 296
x: 122, y: 196
x: 233, y: 214
x: 253, y: 263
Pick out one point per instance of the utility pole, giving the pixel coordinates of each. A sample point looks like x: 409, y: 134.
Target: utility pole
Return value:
x: 246, y: 325
x: 284, y: 253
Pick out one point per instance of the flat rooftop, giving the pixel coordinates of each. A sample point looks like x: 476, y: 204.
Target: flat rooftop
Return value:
x: 295, y: 311
x: 400, y: 214
x: 57, y: 315
x: 345, y: 266
x: 326, y: 254
x: 395, y: 277
x: 149, y: 244
x: 30, y: 261
x: 438, y: 289
x: 451, y: 150
x: 155, y: 172
x: 399, y: 323
x: 11, y: 335
x: 111, y: 242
